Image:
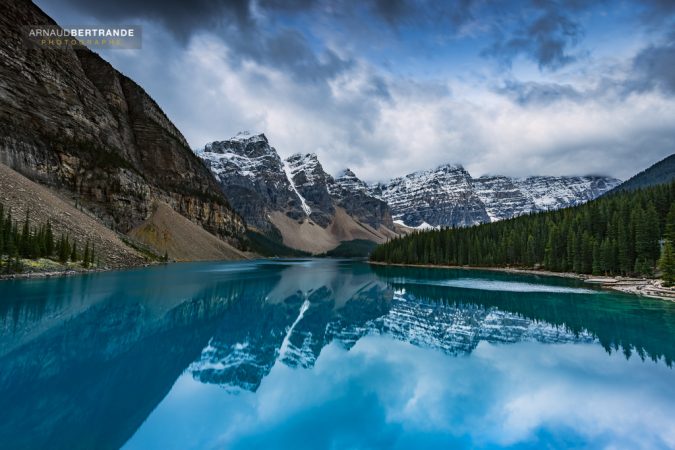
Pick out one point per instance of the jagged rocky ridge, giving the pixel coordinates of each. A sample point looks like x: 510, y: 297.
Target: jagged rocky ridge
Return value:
x: 442, y: 196
x: 69, y: 120
x: 449, y: 196
x: 259, y: 183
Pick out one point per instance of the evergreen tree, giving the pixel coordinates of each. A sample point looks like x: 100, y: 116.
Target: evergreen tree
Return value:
x: 73, y: 252
x: 64, y: 249
x: 667, y: 264
x: 85, y: 258
x: 669, y: 232
x: 49, y: 239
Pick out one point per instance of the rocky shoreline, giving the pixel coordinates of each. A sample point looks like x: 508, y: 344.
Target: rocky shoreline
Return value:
x: 646, y: 287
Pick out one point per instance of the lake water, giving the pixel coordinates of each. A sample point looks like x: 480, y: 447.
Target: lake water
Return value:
x: 331, y: 354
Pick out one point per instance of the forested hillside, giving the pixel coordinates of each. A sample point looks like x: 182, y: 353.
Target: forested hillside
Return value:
x: 660, y: 173
x: 620, y: 234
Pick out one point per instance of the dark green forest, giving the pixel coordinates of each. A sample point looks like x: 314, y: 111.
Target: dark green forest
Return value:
x: 28, y: 241
x: 620, y: 234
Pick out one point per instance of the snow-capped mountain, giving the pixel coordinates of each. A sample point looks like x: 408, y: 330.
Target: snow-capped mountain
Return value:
x: 449, y: 196
x: 294, y: 200
x: 559, y: 192
x: 298, y: 202
x: 443, y: 196
x: 253, y: 178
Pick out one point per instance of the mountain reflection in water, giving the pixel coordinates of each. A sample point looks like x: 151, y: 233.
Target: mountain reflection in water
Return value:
x: 86, y: 360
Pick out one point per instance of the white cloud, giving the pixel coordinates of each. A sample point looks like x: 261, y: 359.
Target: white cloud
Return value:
x: 382, y: 125
x: 387, y: 393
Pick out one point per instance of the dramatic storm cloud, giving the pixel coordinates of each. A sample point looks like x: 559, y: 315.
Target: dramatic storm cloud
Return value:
x: 387, y: 87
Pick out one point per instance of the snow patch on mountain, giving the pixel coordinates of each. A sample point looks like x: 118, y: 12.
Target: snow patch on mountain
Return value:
x: 289, y: 174
x: 235, y: 156
x: 558, y: 192
x: 347, y: 182
x: 422, y: 226
x: 503, y: 197
x: 248, y: 137
x: 307, y: 166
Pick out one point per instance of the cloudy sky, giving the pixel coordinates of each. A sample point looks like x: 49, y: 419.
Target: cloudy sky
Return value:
x: 387, y: 87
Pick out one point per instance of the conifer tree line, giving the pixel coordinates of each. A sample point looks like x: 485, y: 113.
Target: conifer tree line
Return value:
x: 628, y: 233
x: 28, y: 241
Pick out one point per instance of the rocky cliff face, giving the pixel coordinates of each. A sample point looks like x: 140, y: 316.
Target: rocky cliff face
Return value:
x: 503, y: 197
x: 69, y: 120
x: 441, y: 197
x: 355, y: 197
x: 253, y: 178
x: 311, y: 182
x: 259, y: 185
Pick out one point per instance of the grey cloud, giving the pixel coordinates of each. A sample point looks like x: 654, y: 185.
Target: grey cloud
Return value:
x: 288, y: 50
x: 427, y: 13
x: 545, y: 34
x: 651, y: 69
x: 654, y: 67
x: 392, y: 10
x: 657, y: 11
x: 232, y: 20
x: 527, y: 93
x: 378, y: 87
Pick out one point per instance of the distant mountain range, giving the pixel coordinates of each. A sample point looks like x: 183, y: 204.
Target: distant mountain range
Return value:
x: 448, y: 196
x: 296, y: 201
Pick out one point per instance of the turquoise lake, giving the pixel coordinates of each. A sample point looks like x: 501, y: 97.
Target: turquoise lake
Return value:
x: 331, y: 354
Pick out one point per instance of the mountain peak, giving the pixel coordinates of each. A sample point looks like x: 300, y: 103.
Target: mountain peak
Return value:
x: 346, y: 173
x: 450, y: 167
x: 244, y: 144
x: 248, y: 136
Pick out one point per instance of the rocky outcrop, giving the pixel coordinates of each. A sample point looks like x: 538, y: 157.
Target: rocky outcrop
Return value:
x: 69, y: 120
